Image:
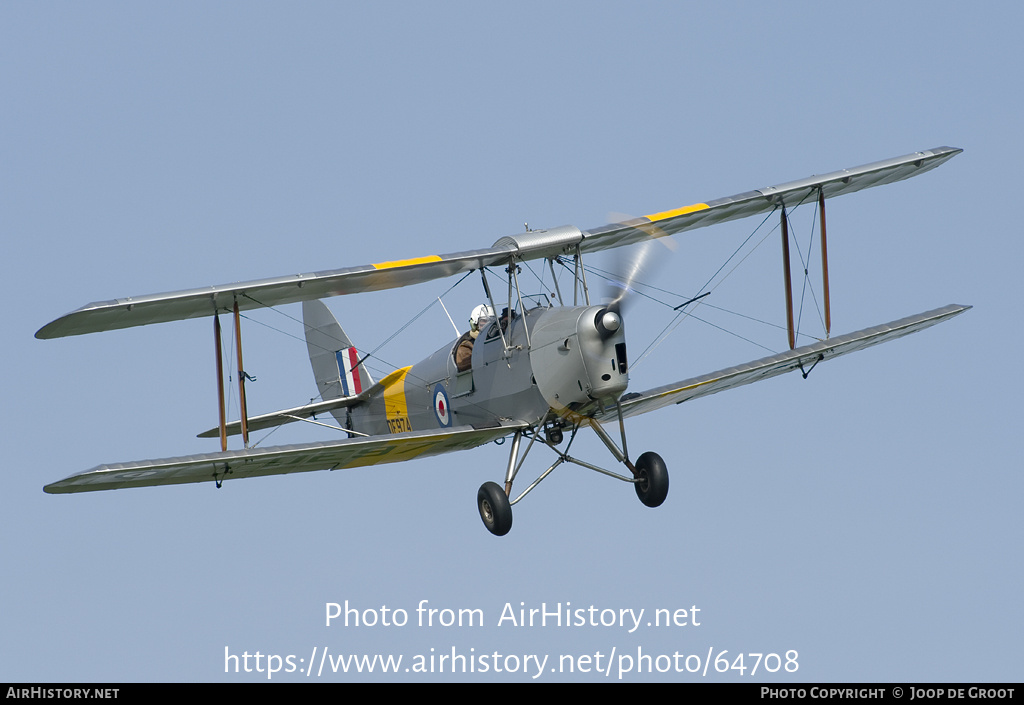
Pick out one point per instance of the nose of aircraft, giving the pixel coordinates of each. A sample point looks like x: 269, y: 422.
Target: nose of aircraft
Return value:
x: 579, y: 356
x: 607, y: 323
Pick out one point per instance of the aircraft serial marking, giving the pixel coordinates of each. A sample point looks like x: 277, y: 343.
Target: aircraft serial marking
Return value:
x: 395, y: 406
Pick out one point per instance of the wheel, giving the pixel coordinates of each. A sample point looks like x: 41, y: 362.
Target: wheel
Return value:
x: 495, y: 509
x: 652, y: 476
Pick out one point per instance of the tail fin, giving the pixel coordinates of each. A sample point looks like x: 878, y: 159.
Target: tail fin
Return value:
x: 334, y: 359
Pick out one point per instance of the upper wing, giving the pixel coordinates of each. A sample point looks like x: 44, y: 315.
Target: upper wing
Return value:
x: 193, y: 303
x: 279, y: 460
x: 766, y: 199
x: 788, y: 361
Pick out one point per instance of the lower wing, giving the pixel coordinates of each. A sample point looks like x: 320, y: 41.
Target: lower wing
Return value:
x: 802, y: 358
x: 279, y: 460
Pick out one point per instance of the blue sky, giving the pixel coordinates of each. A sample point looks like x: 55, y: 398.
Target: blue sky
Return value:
x: 866, y: 518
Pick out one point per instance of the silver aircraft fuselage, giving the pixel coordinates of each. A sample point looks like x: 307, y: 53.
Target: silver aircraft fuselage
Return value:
x: 558, y: 359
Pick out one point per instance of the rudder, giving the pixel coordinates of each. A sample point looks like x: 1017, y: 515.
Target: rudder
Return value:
x: 334, y: 359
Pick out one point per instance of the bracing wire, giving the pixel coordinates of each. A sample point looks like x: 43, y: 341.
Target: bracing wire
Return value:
x: 683, y: 314
x: 365, y: 355
x: 371, y: 353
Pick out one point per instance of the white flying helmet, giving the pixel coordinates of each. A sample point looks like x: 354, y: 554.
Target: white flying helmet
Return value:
x: 480, y: 317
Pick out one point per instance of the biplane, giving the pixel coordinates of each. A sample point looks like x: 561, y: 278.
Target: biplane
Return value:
x: 540, y: 369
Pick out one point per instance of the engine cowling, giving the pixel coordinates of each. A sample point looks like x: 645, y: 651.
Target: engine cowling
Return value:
x: 578, y: 355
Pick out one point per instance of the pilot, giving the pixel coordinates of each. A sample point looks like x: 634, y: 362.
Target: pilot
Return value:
x: 478, y: 320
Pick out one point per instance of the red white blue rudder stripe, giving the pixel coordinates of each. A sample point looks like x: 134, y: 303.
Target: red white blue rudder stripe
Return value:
x: 348, y: 368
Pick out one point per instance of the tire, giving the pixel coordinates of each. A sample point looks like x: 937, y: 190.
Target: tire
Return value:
x: 495, y: 510
x: 652, y: 479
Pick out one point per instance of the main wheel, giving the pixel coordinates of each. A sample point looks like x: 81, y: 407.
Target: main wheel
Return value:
x: 495, y: 509
x: 652, y: 479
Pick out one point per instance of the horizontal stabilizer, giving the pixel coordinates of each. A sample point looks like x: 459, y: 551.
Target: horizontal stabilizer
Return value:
x: 804, y: 357
x: 280, y: 460
x: 280, y: 418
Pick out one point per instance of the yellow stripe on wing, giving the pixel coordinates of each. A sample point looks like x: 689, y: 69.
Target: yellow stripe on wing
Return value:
x: 678, y: 211
x: 407, y: 262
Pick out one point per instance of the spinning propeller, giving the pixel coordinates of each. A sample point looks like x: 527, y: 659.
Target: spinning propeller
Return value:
x: 632, y: 264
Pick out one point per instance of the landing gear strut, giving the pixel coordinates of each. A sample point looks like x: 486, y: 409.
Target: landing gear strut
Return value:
x: 649, y: 475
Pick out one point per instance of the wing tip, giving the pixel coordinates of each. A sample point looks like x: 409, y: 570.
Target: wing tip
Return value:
x: 957, y: 309
x: 48, y: 332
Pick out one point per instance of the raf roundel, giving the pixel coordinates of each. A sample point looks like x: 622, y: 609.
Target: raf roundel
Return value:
x: 442, y: 408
